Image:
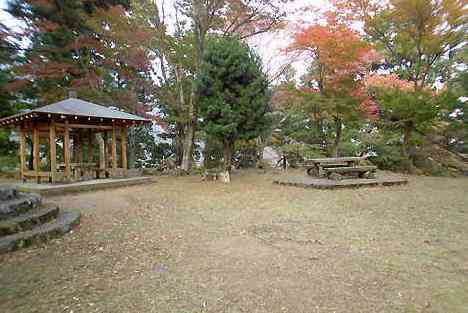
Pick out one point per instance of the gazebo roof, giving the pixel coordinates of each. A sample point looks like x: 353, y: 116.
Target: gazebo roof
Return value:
x: 73, y: 107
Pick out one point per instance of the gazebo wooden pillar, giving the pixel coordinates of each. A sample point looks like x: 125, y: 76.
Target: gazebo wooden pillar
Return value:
x: 123, y: 149
x: 78, y: 147
x: 114, y: 149
x: 36, y: 151
x: 22, y: 153
x: 53, y: 152
x: 90, y: 146
x: 66, y: 150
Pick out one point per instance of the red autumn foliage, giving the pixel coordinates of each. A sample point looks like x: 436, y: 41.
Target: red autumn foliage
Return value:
x: 339, y: 51
x: 342, y: 59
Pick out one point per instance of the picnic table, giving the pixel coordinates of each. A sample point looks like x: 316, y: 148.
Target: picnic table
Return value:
x: 339, y: 168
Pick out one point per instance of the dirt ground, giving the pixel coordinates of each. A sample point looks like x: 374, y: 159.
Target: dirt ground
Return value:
x: 185, y: 246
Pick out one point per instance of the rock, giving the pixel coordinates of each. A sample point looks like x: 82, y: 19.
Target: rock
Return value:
x: 7, y: 193
x: 63, y: 224
x: 24, y: 221
x: 22, y: 203
x: 433, y: 159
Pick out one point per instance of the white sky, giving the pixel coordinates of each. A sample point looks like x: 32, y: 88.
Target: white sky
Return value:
x: 268, y: 46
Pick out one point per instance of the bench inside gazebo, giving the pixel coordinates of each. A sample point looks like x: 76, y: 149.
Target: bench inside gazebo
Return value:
x: 72, y: 140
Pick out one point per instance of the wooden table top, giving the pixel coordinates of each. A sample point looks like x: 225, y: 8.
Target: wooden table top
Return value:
x: 336, y: 160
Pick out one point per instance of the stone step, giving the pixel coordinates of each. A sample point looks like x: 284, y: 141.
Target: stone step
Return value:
x: 7, y: 193
x: 64, y: 223
x: 28, y: 220
x: 22, y: 203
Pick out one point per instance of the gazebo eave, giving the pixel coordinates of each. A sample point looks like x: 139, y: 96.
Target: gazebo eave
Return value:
x: 33, y: 116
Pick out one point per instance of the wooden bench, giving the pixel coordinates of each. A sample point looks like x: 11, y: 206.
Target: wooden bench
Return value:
x: 338, y: 173
x: 316, y: 167
x: 38, y: 176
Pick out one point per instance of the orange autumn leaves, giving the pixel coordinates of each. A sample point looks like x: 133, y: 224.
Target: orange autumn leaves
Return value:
x: 390, y: 81
x: 336, y: 48
x: 341, y: 58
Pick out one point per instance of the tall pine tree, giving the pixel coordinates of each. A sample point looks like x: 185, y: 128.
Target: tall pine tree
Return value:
x: 63, y: 52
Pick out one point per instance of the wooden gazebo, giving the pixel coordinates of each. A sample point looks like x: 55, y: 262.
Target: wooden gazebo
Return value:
x: 89, y: 137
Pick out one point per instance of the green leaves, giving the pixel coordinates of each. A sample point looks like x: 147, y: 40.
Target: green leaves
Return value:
x: 233, y: 91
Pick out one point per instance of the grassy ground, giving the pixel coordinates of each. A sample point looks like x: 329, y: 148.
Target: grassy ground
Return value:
x: 184, y: 246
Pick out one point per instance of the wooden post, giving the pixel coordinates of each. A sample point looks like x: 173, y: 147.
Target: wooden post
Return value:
x: 90, y: 146
x: 78, y: 148
x: 102, y: 154
x: 114, y: 150
x: 53, y: 153
x: 78, y: 143
x: 66, y: 150
x: 123, y: 148
x: 36, y: 156
x: 22, y: 153
x: 105, y: 150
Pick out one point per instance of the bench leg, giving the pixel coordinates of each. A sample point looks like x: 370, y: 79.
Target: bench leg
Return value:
x: 313, y: 171
x: 367, y: 175
x: 321, y: 172
x: 335, y: 176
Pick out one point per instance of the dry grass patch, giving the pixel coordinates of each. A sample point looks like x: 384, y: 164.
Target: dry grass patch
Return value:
x: 184, y: 246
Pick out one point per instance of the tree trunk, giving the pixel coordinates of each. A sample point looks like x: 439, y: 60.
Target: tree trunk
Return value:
x: 406, y: 148
x: 260, y: 147
x: 179, y: 144
x: 188, y: 147
x: 318, y: 123
x: 338, y: 130
x: 227, y: 152
x: 189, y: 132
x: 210, y: 157
x: 200, y: 33
x: 206, y: 154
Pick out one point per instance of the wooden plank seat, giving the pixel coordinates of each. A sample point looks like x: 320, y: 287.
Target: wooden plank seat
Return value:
x: 336, y: 160
x: 313, y: 170
x: 85, y: 170
x: 316, y: 167
x: 38, y: 176
x: 338, y: 173
x: 350, y: 169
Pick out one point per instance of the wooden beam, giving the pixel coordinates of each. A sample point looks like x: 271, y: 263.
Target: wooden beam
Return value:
x: 66, y: 150
x: 78, y: 149
x: 53, y: 153
x: 90, y: 146
x: 114, y: 150
x: 22, y: 152
x: 36, y: 155
x: 36, y: 174
x: 86, y: 126
x: 123, y: 148
x: 102, y: 151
